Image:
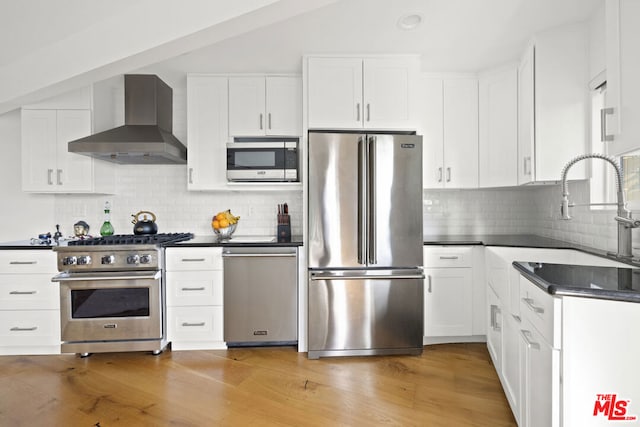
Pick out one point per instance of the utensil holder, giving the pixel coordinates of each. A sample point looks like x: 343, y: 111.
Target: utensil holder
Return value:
x: 284, y: 228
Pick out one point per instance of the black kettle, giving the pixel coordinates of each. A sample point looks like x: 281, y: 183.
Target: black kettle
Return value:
x: 144, y: 225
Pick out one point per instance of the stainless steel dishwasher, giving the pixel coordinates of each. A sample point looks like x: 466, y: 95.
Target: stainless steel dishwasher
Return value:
x: 260, y: 296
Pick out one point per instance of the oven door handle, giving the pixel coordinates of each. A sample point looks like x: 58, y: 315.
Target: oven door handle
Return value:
x: 76, y: 277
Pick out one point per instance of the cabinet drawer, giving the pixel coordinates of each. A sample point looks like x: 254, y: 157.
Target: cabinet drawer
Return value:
x: 29, y: 328
x: 193, y: 288
x: 195, y: 323
x: 28, y: 262
x: 28, y: 292
x: 542, y: 310
x: 447, y: 256
x: 191, y: 259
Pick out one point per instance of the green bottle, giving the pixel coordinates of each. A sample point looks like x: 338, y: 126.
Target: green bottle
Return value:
x: 107, y: 228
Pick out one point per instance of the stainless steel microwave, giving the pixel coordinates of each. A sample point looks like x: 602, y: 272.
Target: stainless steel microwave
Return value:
x: 252, y: 160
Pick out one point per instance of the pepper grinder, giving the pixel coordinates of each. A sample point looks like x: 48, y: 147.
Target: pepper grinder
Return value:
x: 57, y: 235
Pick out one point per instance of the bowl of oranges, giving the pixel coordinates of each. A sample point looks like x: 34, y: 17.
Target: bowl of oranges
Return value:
x: 224, y: 224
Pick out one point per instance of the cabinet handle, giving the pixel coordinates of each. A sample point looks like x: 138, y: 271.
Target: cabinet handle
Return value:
x: 439, y: 174
x: 516, y: 318
x: 494, y: 318
x: 527, y: 165
x: 23, y: 292
x: 190, y: 175
x: 50, y: 176
x: 527, y: 337
x: 59, y: 176
x: 192, y: 259
x: 603, y: 124
x: 530, y: 303
x: 448, y: 257
x: 23, y: 262
x: 193, y: 289
x: 18, y: 329
x: 449, y: 174
x: 187, y: 324
x: 260, y: 121
x: 269, y: 119
x: 368, y: 112
x: 429, y: 281
x: 358, y: 112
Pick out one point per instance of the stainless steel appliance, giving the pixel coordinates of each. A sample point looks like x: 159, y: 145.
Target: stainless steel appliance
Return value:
x: 260, y: 296
x: 267, y: 159
x: 112, y: 295
x: 365, y: 244
x: 146, y: 137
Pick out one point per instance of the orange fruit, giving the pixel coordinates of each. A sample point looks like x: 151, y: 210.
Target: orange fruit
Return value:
x: 223, y: 223
x: 220, y: 216
x: 215, y: 223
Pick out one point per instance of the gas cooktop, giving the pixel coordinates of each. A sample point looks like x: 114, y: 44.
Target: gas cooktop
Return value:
x: 133, y: 239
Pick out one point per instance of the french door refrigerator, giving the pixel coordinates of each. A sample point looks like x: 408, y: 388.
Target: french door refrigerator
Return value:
x: 365, y: 244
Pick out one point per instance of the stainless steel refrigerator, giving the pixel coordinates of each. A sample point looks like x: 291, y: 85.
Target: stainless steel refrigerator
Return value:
x: 365, y: 244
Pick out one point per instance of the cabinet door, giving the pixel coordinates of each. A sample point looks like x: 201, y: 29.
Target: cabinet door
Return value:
x: 335, y: 93
x: 247, y: 106
x: 284, y: 106
x: 498, y: 128
x: 431, y: 111
x: 74, y: 172
x: 461, y: 133
x: 38, y: 150
x: 388, y: 90
x: 448, y: 299
x: 512, y: 363
x: 525, y: 117
x: 494, y: 328
x: 623, y: 69
x: 207, y: 133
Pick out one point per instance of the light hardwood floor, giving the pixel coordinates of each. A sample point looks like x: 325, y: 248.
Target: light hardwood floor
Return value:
x: 449, y: 385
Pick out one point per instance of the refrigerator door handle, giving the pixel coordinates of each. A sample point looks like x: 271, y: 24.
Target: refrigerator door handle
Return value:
x: 373, y: 256
x: 332, y: 276
x: 362, y: 201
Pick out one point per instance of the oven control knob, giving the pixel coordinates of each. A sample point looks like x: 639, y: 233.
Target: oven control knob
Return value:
x: 84, y: 260
x: 133, y: 259
x: 145, y: 259
x: 70, y: 260
x: 108, y: 259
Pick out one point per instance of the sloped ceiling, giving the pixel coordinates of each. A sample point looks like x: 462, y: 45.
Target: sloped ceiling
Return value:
x: 49, y: 47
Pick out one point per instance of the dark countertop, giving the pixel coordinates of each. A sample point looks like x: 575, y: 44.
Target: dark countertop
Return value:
x: 515, y: 240
x: 611, y: 283
x: 245, y: 241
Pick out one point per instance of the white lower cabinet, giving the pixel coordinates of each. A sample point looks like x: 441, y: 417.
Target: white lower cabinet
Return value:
x: 453, y: 306
x: 29, y: 303
x: 194, y: 298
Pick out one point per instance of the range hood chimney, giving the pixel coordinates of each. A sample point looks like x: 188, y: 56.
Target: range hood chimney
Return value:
x: 146, y: 137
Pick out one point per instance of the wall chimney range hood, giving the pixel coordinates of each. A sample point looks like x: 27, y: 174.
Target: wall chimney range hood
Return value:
x: 146, y: 137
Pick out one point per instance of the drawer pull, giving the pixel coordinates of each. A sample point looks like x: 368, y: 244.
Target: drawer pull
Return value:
x: 18, y: 329
x: 23, y: 262
x: 449, y: 257
x: 192, y: 259
x: 527, y: 337
x: 187, y: 324
x: 193, y: 289
x: 429, y: 279
x: 23, y: 292
x: 536, y: 309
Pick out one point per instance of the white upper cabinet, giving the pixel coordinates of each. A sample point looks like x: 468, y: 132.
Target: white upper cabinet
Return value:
x: 362, y: 93
x: 260, y: 106
x: 623, y: 69
x: 47, y: 166
x: 498, y: 128
x: 553, y: 105
x: 207, y: 132
x: 449, y: 125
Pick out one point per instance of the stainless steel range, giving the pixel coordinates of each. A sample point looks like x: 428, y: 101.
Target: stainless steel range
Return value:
x: 112, y: 295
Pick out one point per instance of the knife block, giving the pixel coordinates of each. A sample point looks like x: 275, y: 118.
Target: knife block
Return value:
x: 284, y: 228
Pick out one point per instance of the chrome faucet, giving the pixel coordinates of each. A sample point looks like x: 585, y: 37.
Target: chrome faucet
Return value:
x: 623, y: 217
